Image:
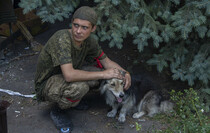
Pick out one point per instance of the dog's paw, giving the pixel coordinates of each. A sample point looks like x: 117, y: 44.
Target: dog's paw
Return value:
x: 121, y: 119
x: 138, y: 114
x: 111, y: 114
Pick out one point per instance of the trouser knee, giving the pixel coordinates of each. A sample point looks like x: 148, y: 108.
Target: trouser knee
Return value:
x: 66, y: 94
x: 71, y: 97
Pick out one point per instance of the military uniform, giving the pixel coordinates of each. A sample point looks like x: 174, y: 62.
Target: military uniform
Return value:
x: 60, y: 49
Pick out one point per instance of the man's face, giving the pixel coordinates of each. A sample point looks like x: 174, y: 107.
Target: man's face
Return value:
x: 81, y: 29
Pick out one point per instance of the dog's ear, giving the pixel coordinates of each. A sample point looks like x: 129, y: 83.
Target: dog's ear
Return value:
x: 105, y: 82
x: 102, y: 86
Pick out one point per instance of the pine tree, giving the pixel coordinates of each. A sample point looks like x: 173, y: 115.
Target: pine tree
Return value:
x: 50, y: 10
x: 179, y: 30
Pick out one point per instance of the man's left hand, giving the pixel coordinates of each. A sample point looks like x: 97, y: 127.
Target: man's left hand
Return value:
x: 127, y: 80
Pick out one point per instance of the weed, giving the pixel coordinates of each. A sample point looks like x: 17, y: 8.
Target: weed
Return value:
x: 188, y: 116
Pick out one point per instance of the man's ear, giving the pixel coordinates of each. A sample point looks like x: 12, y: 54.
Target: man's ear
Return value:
x: 94, y: 28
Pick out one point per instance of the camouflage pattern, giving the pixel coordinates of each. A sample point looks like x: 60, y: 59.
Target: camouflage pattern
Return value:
x: 57, y: 90
x: 59, y: 50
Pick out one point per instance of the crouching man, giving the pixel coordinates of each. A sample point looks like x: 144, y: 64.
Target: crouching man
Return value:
x: 59, y: 77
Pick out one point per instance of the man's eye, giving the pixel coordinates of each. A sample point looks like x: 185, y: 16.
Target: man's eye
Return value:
x: 84, y: 27
x: 76, y: 25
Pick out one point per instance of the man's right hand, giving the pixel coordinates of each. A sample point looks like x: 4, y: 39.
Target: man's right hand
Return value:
x: 112, y: 73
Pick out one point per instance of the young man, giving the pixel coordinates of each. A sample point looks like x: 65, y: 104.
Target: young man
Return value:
x: 59, y: 77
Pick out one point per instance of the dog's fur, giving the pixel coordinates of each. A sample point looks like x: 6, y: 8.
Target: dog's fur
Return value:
x: 143, y: 96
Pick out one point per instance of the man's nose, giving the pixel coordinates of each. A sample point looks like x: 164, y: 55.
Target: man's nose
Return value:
x: 79, y: 30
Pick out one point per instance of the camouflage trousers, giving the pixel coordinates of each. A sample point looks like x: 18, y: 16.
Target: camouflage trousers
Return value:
x: 65, y: 94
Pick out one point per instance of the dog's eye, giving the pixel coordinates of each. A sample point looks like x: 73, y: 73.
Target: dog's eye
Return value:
x: 112, y: 84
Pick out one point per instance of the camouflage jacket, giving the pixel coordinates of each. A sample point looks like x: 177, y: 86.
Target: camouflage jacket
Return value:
x: 59, y: 50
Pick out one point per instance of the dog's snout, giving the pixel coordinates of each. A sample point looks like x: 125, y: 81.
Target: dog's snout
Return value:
x: 121, y: 95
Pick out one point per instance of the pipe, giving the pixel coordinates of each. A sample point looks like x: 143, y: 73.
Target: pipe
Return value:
x: 3, y: 116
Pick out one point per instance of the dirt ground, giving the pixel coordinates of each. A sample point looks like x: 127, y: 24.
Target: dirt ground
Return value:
x: 26, y: 115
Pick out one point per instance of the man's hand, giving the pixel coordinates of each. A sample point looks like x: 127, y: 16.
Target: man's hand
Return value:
x: 127, y: 80
x: 113, y: 70
x: 112, y: 73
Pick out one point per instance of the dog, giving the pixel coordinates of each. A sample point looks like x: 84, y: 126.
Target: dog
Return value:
x: 143, y: 97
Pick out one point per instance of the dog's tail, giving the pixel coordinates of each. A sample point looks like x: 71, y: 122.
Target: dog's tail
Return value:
x: 166, y: 106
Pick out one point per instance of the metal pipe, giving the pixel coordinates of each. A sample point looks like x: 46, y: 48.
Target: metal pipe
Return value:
x: 3, y: 116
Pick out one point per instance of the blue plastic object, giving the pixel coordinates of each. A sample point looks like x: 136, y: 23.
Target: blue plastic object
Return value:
x: 65, y: 130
